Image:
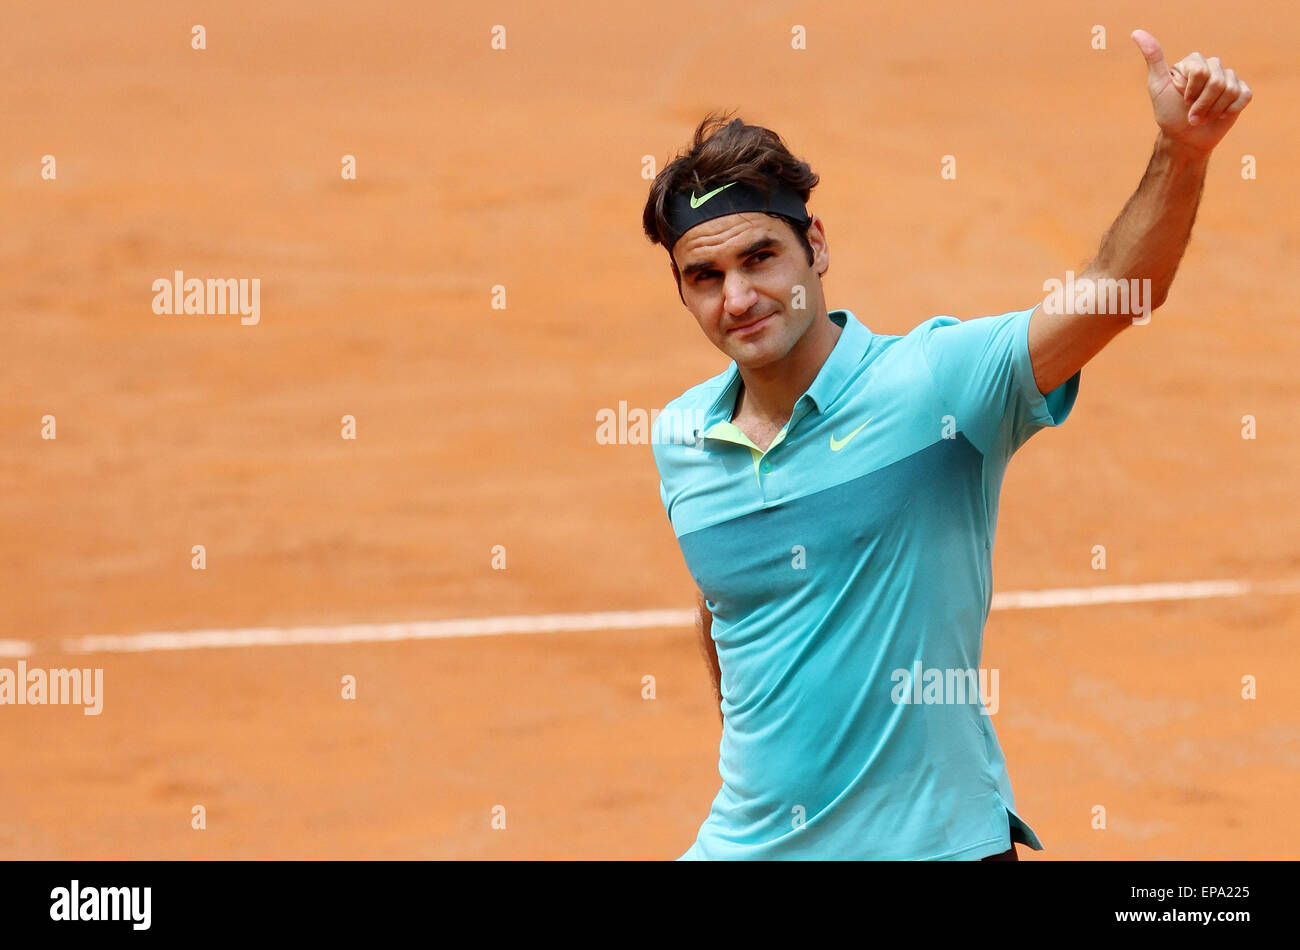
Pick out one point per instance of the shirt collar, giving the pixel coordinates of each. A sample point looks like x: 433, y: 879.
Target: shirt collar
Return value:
x: 844, y: 357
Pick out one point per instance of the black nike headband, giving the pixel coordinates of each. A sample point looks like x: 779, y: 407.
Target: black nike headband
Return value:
x: 686, y: 209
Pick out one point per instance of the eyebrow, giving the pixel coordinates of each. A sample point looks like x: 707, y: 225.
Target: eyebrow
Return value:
x: 761, y: 244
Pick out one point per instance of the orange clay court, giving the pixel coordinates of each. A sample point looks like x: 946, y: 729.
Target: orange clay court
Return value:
x: 475, y: 425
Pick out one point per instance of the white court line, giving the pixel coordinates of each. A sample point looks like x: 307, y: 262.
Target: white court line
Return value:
x: 1118, y: 594
x: 608, y: 620
x: 381, y: 632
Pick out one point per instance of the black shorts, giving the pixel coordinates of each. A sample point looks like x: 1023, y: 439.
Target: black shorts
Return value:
x: 1010, y: 854
x: 1007, y: 855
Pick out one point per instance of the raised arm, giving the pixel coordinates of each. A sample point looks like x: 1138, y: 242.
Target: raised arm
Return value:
x: 1195, y: 103
x: 704, y: 624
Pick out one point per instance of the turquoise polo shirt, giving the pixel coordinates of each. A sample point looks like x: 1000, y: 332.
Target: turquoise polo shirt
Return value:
x: 858, y: 546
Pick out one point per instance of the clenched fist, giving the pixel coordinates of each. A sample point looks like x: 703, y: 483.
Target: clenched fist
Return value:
x: 1197, y: 100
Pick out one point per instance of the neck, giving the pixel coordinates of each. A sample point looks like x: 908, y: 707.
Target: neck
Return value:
x: 770, y: 392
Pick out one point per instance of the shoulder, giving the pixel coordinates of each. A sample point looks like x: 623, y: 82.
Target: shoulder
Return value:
x: 993, y: 323
x: 702, y: 394
x: 945, y: 339
x: 907, y: 353
x: 919, y: 335
x: 923, y: 331
x: 677, y: 421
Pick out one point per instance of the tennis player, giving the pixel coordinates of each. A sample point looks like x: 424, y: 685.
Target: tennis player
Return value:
x: 837, y: 505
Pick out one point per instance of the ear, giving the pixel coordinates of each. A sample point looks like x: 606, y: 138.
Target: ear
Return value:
x: 821, y: 250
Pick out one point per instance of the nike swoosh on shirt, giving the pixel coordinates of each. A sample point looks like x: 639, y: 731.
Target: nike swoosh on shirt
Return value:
x: 837, y: 444
x: 696, y: 202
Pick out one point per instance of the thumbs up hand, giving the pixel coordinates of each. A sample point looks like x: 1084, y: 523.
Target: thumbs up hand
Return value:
x: 1197, y: 100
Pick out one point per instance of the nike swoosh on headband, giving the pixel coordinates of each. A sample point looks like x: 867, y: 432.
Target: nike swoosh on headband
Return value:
x: 696, y: 202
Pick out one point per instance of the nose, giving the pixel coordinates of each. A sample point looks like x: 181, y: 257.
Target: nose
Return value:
x: 739, y: 294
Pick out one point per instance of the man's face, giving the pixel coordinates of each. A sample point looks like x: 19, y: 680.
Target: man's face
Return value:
x: 739, y: 275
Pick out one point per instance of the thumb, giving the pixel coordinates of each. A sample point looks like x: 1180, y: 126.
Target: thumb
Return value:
x: 1157, y: 68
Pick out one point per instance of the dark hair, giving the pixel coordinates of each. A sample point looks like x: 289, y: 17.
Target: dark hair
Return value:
x: 726, y: 149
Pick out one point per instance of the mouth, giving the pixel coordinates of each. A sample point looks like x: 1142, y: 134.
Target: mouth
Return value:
x: 751, y: 327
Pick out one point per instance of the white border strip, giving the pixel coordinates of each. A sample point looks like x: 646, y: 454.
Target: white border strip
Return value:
x: 607, y: 620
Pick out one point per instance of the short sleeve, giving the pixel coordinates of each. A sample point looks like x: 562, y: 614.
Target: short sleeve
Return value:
x: 985, y: 379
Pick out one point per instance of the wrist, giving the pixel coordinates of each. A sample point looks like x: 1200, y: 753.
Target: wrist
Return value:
x: 1179, y: 151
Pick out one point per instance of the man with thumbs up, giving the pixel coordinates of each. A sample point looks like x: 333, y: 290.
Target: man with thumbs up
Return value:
x: 1195, y: 102
x: 837, y: 505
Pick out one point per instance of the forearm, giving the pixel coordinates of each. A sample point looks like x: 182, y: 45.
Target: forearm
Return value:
x: 1148, y: 239
x: 704, y: 626
x: 1194, y: 102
